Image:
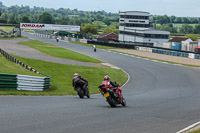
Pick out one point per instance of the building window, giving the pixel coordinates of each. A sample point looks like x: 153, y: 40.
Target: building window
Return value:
x: 156, y: 36
x: 136, y: 25
x: 134, y: 17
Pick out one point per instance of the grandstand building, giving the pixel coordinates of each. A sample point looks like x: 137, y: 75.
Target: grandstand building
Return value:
x: 136, y: 27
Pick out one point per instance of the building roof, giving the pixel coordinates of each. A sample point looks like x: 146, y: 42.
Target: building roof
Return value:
x: 133, y: 11
x: 106, y: 34
x: 178, y: 39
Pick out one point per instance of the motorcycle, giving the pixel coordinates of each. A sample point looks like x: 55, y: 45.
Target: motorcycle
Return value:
x: 111, y: 95
x: 82, y: 88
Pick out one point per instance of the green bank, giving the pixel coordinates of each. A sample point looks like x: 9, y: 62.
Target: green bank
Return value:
x: 59, y: 52
x: 61, y: 76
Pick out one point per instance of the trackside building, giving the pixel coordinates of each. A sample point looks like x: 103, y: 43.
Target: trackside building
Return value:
x: 135, y: 27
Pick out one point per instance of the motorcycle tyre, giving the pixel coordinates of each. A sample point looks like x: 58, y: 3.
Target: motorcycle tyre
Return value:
x: 111, y: 102
x: 88, y: 95
x: 123, y: 102
x: 81, y: 93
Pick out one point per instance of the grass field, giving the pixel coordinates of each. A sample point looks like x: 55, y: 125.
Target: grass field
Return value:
x: 6, y: 28
x: 59, y: 52
x: 12, y: 38
x: 179, y: 25
x: 61, y: 76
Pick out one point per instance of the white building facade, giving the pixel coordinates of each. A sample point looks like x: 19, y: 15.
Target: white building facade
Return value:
x: 135, y: 27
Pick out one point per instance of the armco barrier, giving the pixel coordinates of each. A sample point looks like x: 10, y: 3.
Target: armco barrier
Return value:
x: 15, y: 60
x: 23, y: 82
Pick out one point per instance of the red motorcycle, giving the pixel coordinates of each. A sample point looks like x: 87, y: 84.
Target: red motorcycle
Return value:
x: 113, y: 95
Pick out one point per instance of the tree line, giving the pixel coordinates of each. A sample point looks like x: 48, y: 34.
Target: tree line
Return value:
x: 183, y: 29
x: 64, y: 16
x: 173, y: 19
x: 90, y: 21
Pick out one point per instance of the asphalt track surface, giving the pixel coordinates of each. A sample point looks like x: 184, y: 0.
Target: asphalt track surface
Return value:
x: 161, y: 98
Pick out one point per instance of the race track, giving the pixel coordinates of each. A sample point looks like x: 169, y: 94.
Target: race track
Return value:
x: 161, y: 98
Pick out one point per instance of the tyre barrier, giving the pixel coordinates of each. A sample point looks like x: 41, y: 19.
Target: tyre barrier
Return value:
x: 23, y: 82
x: 176, y: 53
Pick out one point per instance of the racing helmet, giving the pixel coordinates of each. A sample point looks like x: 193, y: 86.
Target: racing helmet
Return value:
x: 107, y: 78
x: 76, y: 74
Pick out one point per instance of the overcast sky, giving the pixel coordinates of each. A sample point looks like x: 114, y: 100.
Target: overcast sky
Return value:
x: 186, y: 8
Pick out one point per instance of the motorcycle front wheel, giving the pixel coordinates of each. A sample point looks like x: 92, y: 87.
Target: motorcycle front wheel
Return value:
x: 111, y: 101
x: 123, y: 102
x: 80, y: 93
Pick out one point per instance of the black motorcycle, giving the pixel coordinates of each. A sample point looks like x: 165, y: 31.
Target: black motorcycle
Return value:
x: 112, y: 96
x: 82, y: 88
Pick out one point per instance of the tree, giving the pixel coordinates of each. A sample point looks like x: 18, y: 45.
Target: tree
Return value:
x: 163, y: 19
x: 116, y: 24
x: 46, y: 18
x: 64, y: 20
x: 12, y: 19
x: 186, y: 29
x: 194, y: 20
x: 168, y: 27
x: 172, y: 19
x: 90, y: 29
x: 110, y: 29
x: 25, y: 19
x: 197, y: 29
x: 185, y: 20
x: 178, y: 20
x: 99, y: 24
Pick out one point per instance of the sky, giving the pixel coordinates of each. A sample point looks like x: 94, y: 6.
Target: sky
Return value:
x: 179, y: 8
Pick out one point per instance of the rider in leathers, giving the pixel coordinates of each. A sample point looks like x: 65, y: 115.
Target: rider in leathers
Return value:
x: 113, y: 85
x: 77, y: 77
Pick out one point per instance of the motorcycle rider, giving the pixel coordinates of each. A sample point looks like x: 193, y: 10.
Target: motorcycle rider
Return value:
x: 78, y: 77
x: 94, y: 47
x: 113, y: 85
x: 57, y: 39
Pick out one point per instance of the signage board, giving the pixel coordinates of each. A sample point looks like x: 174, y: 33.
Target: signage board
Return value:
x: 36, y: 26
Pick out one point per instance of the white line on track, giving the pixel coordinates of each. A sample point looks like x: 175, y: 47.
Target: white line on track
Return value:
x: 189, y: 128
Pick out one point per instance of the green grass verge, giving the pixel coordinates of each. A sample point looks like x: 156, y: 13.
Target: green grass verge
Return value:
x: 11, y: 38
x: 59, y: 52
x: 30, y: 31
x: 197, y: 131
x: 91, y: 45
x: 6, y: 28
x: 159, y: 59
x: 61, y: 77
x: 13, y: 68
